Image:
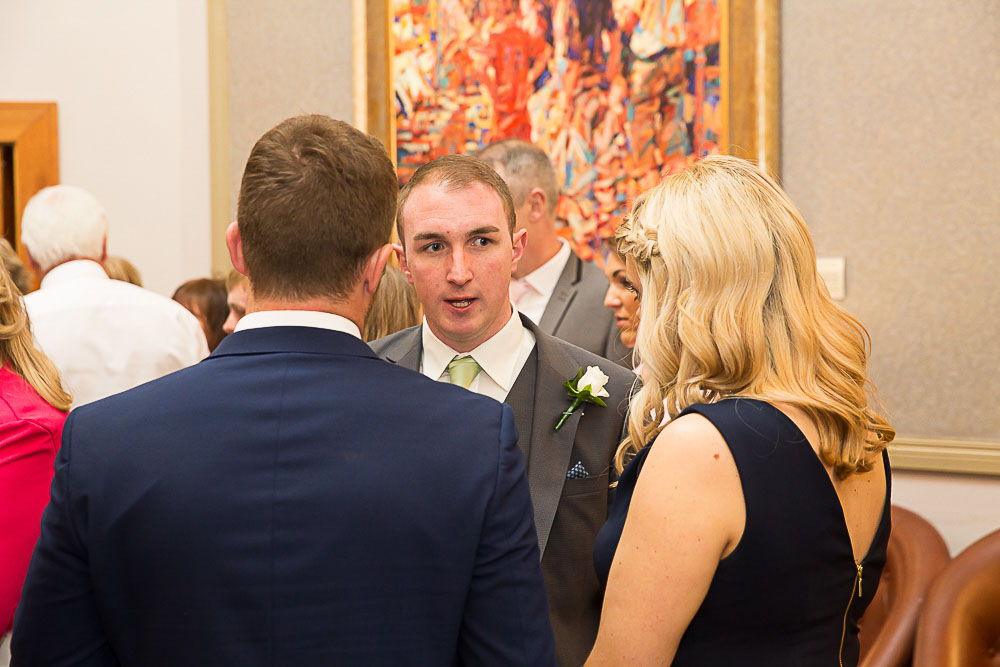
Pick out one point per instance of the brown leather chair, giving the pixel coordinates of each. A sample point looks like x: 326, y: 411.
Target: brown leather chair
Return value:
x: 915, y: 556
x: 960, y: 623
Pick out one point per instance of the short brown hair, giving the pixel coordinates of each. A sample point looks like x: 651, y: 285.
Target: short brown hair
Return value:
x: 525, y: 167
x: 317, y: 199
x: 454, y: 173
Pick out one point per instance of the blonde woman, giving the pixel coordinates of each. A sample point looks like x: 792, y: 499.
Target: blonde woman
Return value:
x: 752, y: 528
x: 33, y: 406
x: 394, y: 307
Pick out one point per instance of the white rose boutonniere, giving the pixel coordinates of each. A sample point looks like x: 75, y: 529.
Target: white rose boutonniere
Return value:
x: 585, y: 388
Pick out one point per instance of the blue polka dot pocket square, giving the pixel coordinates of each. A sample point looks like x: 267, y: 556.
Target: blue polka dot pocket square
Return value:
x: 578, y: 472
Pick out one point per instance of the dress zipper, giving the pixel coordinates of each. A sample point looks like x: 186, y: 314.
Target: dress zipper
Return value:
x: 843, y: 631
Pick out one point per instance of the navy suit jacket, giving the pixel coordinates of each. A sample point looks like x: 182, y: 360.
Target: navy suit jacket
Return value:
x: 291, y: 500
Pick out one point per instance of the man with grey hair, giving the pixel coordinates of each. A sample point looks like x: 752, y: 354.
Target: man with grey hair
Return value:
x: 104, y: 336
x: 552, y: 286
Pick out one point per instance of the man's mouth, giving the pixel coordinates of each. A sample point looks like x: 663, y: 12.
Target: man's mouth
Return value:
x: 460, y: 303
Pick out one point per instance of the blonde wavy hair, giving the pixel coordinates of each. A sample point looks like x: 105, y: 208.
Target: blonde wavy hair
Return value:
x: 732, y: 306
x: 18, y: 351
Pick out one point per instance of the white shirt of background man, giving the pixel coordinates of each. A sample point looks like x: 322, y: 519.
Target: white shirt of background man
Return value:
x: 106, y: 336
x: 501, y: 357
x: 531, y: 293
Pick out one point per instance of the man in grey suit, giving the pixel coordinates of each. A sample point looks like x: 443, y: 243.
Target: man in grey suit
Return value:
x: 557, y: 290
x: 455, y: 219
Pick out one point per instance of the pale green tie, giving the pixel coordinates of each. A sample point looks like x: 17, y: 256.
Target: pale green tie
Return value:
x: 463, y: 370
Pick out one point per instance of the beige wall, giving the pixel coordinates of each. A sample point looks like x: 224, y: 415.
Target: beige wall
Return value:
x: 131, y: 82
x: 890, y: 145
x: 286, y: 58
x: 891, y: 138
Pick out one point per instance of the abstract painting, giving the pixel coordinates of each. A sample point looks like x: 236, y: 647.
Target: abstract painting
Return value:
x: 617, y: 92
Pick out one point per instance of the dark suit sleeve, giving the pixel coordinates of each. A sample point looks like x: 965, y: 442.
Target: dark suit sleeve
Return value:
x: 57, y: 621
x: 506, y: 618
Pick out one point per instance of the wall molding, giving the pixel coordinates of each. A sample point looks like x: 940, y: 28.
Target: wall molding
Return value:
x: 972, y: 457
x: 220, y: 140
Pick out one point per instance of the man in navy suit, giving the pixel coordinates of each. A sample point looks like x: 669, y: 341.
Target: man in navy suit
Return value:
x: 293, y: 499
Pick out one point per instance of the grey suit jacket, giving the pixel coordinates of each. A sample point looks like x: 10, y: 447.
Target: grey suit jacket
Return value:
x: 577, y: 314
x: 568, y: 512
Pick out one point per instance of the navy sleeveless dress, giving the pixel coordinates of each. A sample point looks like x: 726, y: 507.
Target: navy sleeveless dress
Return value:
x: 790, y: 594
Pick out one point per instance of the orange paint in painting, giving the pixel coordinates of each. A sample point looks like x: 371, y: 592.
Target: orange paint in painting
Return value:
x: 618, y: 93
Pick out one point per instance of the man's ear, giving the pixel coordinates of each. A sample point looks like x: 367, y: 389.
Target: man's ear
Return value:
x: 401, y: 258
x: 235, y: 245
x: 538, y: 204
x: 104, y: 249
x: 520, y: 242
x: 375, y: 267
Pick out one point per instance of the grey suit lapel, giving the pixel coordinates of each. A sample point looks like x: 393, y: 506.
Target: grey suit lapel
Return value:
x: 406, y: 349
x: 521, y: 399
x: 549, y: 450
x: 562, y: 296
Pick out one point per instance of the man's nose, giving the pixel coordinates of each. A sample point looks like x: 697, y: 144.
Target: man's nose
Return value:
x: 459, y: 273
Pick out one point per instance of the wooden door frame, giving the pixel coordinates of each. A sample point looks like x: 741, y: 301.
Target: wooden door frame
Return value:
x: 32, y: 129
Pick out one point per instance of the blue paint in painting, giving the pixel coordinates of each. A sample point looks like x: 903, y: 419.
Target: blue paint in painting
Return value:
x: 542, y: 78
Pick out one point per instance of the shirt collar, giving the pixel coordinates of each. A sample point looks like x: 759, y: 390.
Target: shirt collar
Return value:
x: 298, y: 318
x: 543, y: 279
x: 496, y: 356
x: 77, y: 269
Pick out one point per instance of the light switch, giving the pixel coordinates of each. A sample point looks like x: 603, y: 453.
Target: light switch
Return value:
x: 832, y: 270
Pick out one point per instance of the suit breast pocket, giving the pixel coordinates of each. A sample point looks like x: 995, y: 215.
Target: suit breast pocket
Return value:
x: 580, y: 487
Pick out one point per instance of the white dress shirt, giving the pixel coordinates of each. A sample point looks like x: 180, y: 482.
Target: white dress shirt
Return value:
x: 501, y: 357
x: 106, y: 336
x: 531, y: 293
x: 297, y: 318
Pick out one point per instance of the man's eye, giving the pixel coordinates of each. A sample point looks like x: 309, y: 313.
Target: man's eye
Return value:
x: 432, y: 247
x: 481, y: 242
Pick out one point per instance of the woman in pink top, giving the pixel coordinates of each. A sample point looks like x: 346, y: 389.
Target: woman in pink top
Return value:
x: 33, y: 406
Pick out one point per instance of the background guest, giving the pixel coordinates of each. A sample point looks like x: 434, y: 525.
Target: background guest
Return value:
x: 33, y: 406
x: 15, y: 267
x: 395, y: 306
x: 758, y: 518
x: 553, y: 287
x: 104, y: 335
x: 206, y: 299
x: 119, y: 268
x: 236, y: 299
